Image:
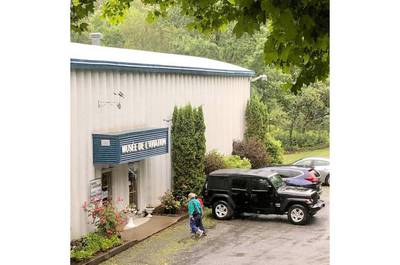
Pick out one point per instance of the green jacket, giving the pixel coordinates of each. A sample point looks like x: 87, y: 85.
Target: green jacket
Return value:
x: 194, y: 203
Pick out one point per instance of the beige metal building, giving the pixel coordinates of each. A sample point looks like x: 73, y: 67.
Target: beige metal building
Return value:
x: 121, y: 104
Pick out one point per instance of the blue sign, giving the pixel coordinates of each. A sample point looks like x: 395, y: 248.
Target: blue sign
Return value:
x: 130, y: 146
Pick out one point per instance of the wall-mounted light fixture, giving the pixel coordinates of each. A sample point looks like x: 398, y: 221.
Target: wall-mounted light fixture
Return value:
x: 262, y: 77
x: 120, y: 94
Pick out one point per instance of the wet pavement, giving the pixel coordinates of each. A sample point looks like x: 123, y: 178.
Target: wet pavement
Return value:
x: 256, y: 239
x: 263, y: 239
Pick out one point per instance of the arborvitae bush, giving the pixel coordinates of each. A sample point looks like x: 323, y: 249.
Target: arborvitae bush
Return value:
x: 200, y: 138
x: 252, y: 149
x: 256, y: 114
x: 188, y: 150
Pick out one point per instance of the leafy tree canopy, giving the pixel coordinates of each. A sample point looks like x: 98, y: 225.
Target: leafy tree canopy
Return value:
x: 298, y: 29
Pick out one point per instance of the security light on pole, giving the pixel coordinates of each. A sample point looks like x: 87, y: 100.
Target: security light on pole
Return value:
x: 262, y: 77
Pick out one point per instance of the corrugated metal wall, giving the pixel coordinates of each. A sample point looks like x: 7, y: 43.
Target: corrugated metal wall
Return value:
x: 149, y: 99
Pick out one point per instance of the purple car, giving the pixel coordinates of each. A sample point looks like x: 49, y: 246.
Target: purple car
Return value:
x: 299, y: 176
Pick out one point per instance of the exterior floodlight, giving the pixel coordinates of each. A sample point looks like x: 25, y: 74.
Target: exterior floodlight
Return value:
x: 262, y: 77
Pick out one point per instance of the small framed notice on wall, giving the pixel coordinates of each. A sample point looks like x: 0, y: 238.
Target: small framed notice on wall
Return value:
x: 95, y: 190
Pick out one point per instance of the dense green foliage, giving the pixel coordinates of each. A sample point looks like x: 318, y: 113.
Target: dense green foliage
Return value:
x: 214, y: 161
x: 274, y: 150
x: 234, y: 161
x: 256, y: 115
x: 252, y: 149
x: 188, y: 150
x: 298, y: 120
x: 92, y: 243
x: 298, y: 35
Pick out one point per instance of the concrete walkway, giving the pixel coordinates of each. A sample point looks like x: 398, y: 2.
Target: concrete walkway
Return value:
x: 154, y: 225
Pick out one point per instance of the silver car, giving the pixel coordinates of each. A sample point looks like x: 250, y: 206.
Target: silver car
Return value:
x: 321, y: 164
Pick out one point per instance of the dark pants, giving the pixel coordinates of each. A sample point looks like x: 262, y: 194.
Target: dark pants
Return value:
x: 196, y: 223
x: 199, y: 222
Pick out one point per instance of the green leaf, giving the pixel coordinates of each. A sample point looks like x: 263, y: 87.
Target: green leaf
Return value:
x: 306, y: 58
x: 151, y: 17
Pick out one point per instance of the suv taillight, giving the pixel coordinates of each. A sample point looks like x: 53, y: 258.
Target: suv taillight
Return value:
x: 311, y: 177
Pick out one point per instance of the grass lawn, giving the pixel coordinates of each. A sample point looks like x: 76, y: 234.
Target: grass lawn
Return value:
x: 290, y: 158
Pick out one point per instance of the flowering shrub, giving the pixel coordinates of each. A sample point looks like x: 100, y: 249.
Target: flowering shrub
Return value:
x: 169, y: 204
x: 105, y: 217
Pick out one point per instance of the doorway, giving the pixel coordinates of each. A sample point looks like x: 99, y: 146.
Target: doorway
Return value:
x: 133, y: 175
x: 106, y: 187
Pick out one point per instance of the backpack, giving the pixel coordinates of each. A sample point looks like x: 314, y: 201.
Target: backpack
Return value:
x: 196, y: 212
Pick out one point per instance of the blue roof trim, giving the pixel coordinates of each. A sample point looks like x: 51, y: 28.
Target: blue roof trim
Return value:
x: 108, y: 65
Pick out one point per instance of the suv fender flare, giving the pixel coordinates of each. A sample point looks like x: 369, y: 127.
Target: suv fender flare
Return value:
x: 224, y: 197
x: 288, y: 202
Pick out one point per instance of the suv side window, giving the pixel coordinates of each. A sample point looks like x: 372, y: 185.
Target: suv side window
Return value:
x: 239, y: 183
x: 306, y: 163
x: 260, y: 184
x: 321, y: 163
x: 218, y: 182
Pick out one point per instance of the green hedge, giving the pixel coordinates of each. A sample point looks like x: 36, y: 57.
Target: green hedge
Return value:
x: 308, y: 140
x: 91, y: 244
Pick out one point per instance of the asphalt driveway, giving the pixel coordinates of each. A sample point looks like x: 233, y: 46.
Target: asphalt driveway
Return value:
x: 264, y: 240
x: 256, y: 239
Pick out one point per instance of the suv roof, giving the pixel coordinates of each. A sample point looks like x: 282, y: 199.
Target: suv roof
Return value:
x: 264, y: 172
x: 314, y: 158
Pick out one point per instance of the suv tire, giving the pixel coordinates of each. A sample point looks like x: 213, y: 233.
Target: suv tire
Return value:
x: 327, y: 181
x: 298, y: 214
x: 222, y: 210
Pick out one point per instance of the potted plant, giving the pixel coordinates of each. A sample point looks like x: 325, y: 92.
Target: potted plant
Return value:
x: 130, y: 211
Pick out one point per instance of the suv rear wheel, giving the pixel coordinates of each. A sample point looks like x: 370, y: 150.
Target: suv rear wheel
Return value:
x: 222, y: 210
x: 327, y: 181
x: 298, y: 214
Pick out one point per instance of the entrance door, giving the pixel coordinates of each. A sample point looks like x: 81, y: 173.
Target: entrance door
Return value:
x: 132, y: 179
x: 106, y: 186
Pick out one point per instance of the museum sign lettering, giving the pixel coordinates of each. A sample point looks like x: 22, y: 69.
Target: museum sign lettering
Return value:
x: 129, y: 146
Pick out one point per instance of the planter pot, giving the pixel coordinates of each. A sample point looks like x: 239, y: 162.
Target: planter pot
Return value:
x: 130, y: 223
x: 149, y: 211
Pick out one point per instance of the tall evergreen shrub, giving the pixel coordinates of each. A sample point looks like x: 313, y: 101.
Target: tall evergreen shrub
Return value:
x: 188, y: 150
x: 200, y: 138
x: 256, y: 115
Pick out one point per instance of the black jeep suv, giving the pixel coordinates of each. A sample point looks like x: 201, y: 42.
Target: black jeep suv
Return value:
x: 233, y: 191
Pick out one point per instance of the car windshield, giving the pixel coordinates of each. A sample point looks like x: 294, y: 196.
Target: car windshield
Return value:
x: 276, y: 181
